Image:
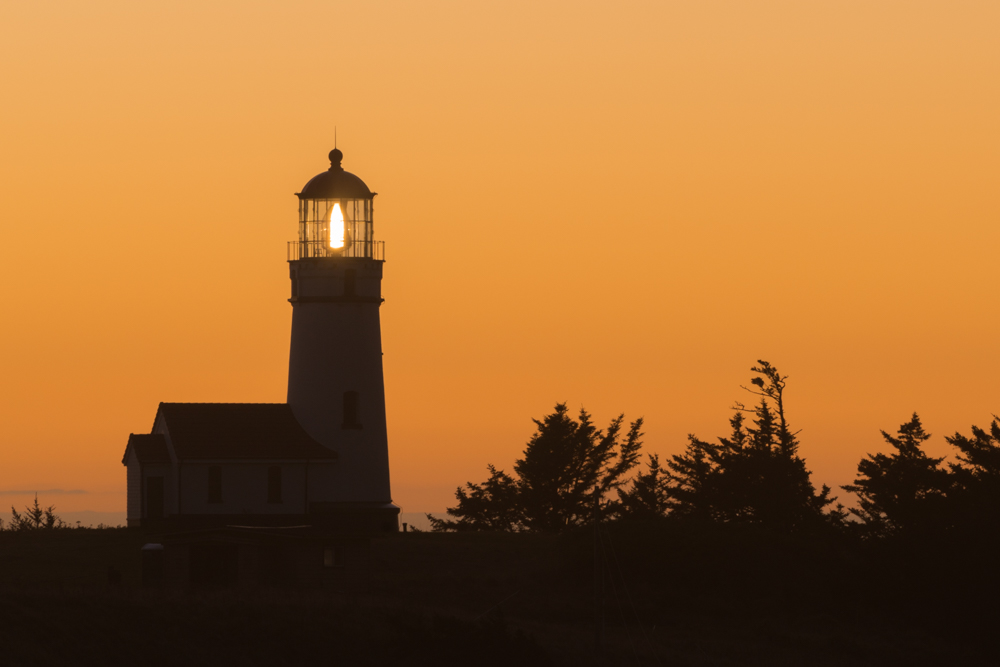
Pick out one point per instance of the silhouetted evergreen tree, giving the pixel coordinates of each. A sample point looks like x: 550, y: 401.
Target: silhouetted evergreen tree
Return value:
x: 905, y: 492
x: 492, y: 505
x: 755, y: 475
x: 565, y: 460
x: 647, y: 497
x: 975, y: 495
x: 692, y: 479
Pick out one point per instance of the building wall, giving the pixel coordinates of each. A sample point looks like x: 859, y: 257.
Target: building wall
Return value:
x: 166, y: 471
x: 133, y: 480
x: 244, y: 489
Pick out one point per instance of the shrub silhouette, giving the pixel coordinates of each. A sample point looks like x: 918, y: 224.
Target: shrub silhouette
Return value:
x: 35, y: 517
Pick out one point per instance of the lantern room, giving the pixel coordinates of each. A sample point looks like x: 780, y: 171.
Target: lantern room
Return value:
x: 335, y: 216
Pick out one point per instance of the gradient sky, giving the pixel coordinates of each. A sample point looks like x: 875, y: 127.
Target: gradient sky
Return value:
x: 617, y: 205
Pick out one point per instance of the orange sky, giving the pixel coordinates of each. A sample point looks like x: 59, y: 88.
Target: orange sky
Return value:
x: 616, y: 205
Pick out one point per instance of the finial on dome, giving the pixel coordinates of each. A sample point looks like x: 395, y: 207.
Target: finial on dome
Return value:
x: 335, y: 158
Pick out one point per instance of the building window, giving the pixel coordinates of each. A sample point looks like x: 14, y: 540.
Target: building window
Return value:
x: 215, y: 484
x: 274, y: 484
x: 333, y: 557
x: 352, y: 410
x: 350, y: 277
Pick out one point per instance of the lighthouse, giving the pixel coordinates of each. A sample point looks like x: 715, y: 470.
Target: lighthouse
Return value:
x: 335, y: 384
x: 322, y: 458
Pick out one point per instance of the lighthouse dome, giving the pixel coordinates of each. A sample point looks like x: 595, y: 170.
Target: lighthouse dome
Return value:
x: 335, y: 183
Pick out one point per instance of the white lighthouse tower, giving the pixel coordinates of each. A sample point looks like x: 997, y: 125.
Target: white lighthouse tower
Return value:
x: 335, y: 385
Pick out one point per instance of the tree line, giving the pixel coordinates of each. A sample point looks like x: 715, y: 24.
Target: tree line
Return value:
x: 571, y: 470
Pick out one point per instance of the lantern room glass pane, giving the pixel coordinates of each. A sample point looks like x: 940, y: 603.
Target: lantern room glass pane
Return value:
x: 320, y: 228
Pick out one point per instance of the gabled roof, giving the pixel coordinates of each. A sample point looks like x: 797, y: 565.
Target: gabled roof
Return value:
x: 216, y: 431
x: 148, y: 447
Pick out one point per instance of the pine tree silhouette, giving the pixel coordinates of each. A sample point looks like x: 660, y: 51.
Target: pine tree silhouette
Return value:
x: 563, y: 462
x: 647, y: 497
x: 902, y: 492
x: 975, y: 493
x: 755, y: 475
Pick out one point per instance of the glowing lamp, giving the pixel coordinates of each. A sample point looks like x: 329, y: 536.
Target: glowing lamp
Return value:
x: 337, y: 232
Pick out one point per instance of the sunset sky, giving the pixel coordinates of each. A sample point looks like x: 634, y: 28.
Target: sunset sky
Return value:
x: 616, y: 205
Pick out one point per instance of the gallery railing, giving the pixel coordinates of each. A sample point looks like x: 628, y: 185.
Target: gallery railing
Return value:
x: 367, y: 249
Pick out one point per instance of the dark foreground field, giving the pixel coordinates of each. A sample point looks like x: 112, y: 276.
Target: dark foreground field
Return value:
x: 674, y: 596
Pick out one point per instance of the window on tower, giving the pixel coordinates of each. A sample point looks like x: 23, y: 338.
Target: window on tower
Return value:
x: 352, y: 410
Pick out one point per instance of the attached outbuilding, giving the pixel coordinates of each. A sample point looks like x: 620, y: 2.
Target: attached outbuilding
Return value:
x: 225, y: 463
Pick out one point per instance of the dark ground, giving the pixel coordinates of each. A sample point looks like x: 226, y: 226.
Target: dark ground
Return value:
x: 674, y: 596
